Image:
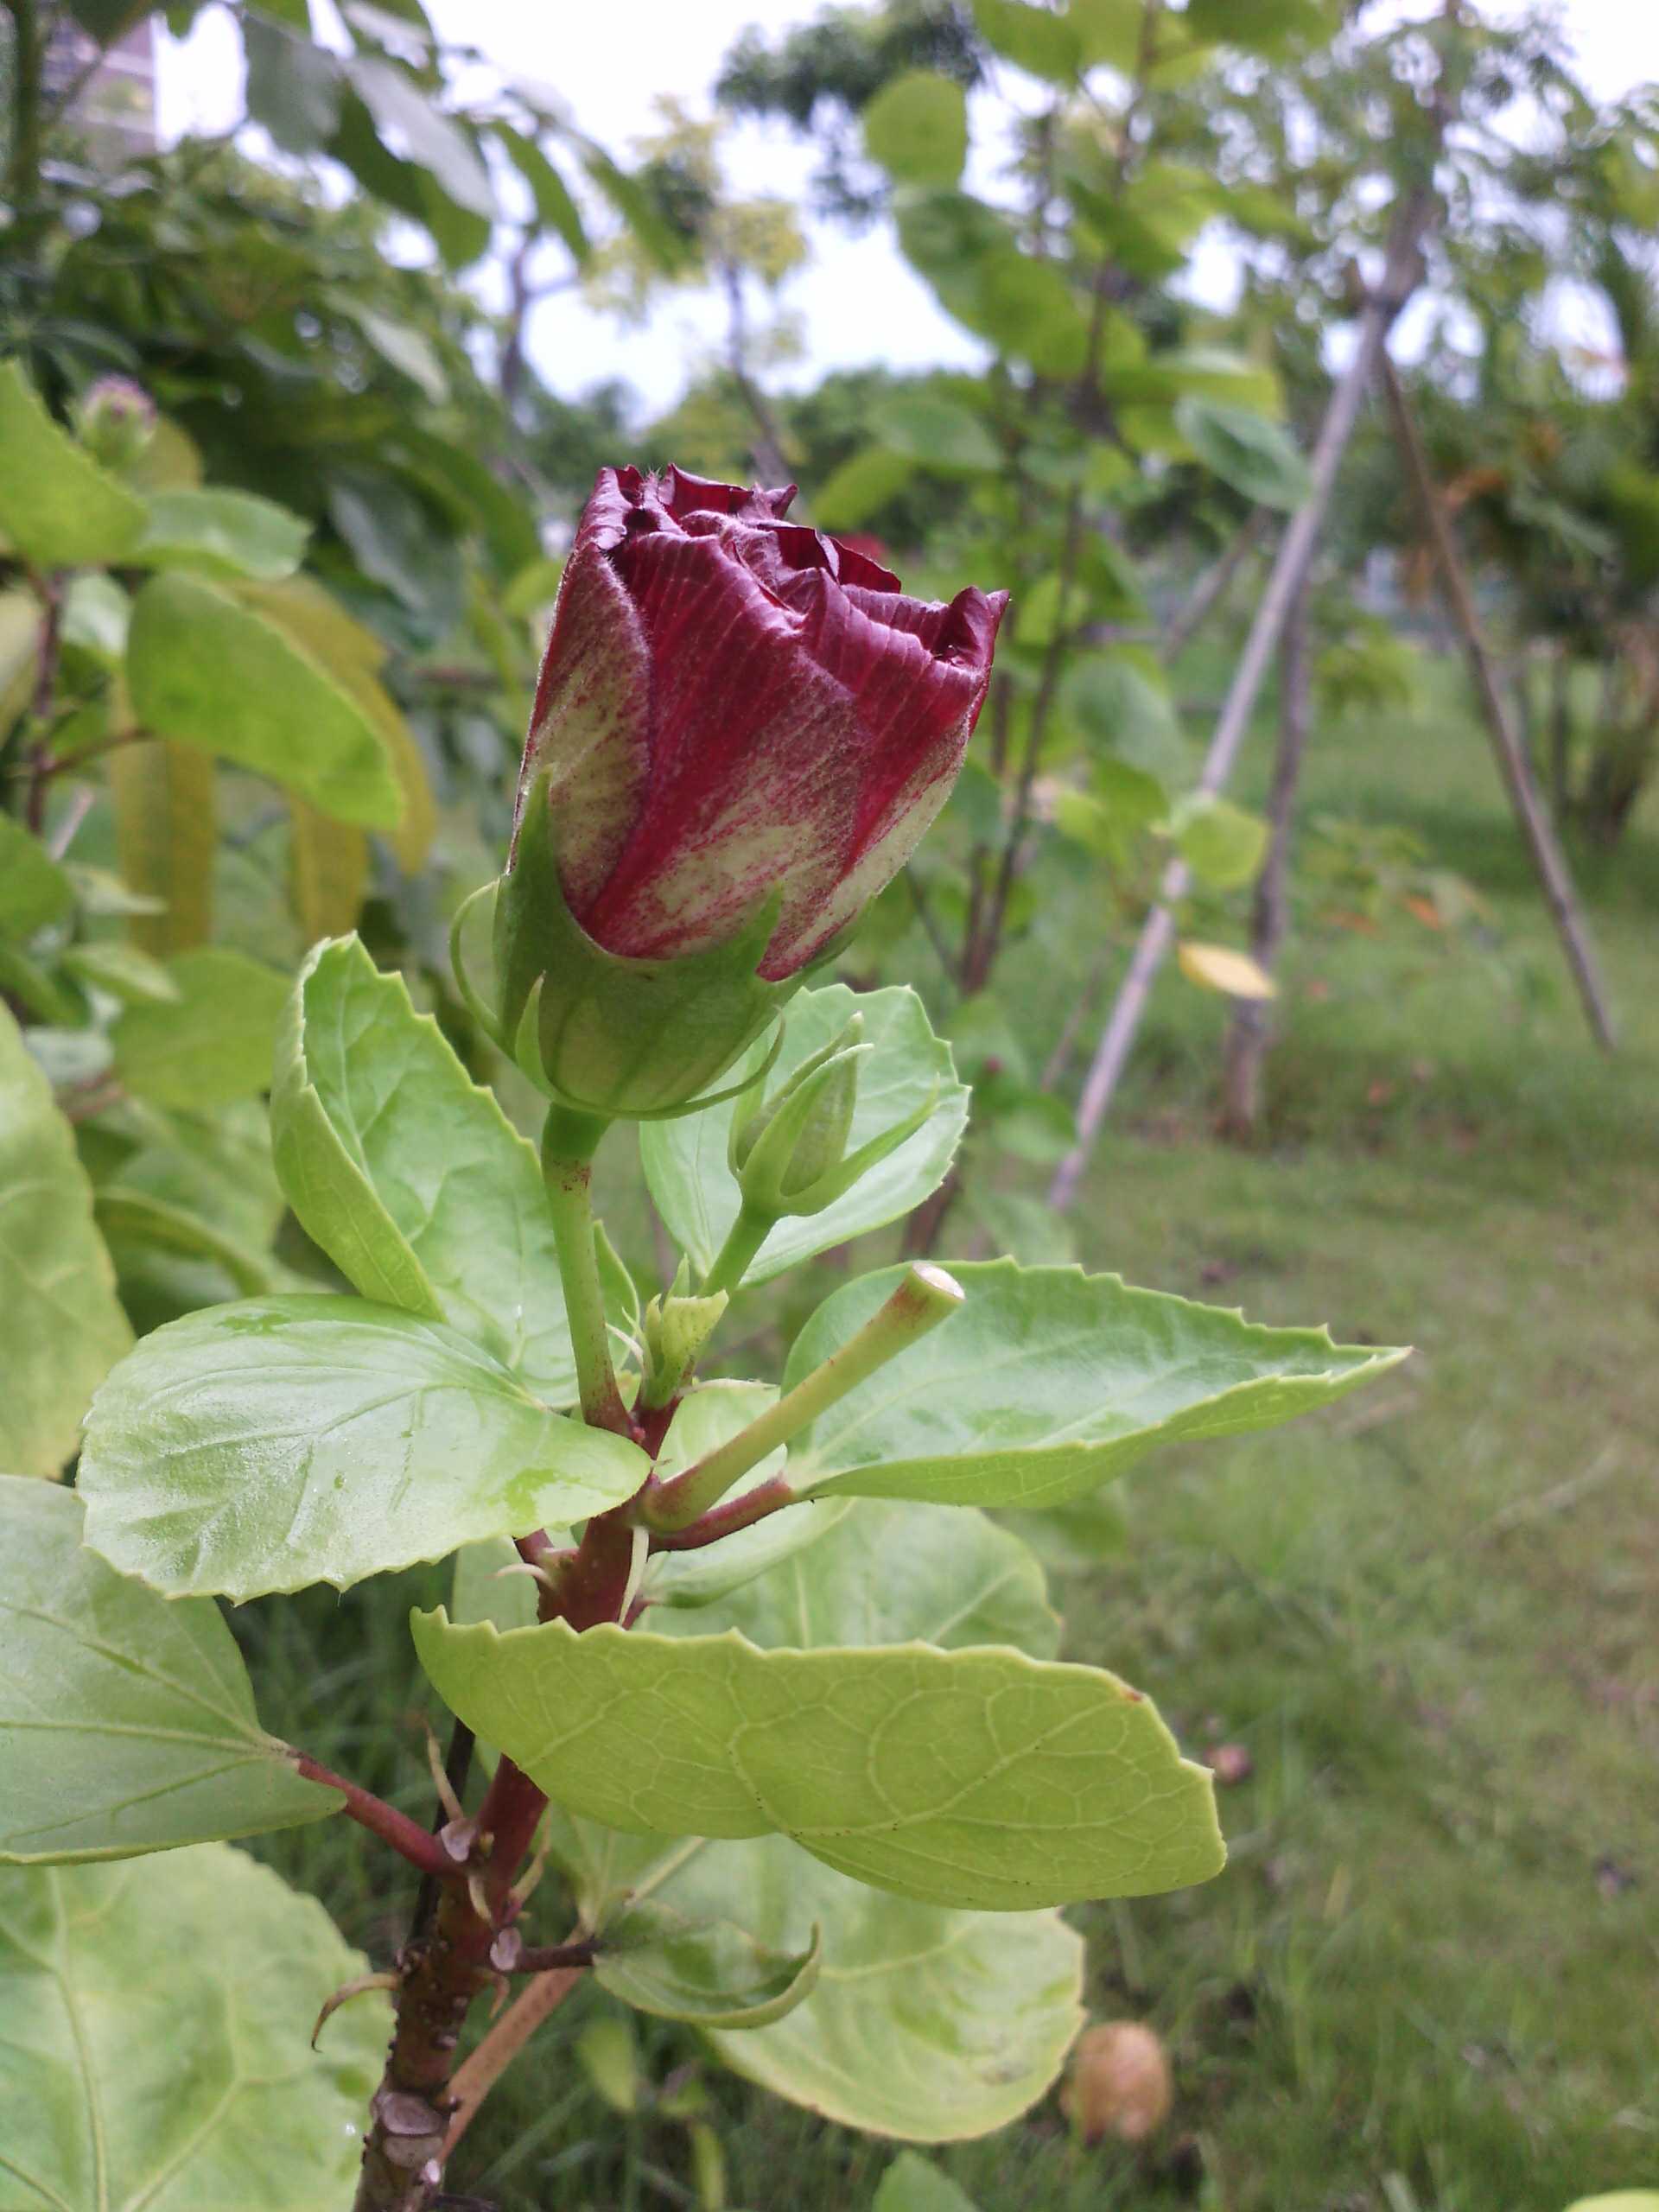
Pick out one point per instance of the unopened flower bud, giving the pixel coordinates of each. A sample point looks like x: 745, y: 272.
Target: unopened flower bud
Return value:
x: 675, y: 1328
x: 116, y: 421
x: 741, y: 728
x: 789, y: 1155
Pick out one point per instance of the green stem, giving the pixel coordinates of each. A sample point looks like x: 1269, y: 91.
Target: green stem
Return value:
x: 925, y: 1297
x: 568, y: 1145
x: 26, y: 90
x: 747, y: 1234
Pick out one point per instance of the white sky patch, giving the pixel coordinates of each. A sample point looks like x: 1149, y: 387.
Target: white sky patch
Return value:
x: 856, y: 302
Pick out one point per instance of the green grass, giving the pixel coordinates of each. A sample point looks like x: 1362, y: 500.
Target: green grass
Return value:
x: 1427, y: 1978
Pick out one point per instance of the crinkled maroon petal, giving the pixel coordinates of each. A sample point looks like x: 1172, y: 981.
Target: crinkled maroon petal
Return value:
x: 756, y: 756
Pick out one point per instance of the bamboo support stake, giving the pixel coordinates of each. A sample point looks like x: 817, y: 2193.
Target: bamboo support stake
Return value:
x: 1296, y: 548
x: 1547, y: 859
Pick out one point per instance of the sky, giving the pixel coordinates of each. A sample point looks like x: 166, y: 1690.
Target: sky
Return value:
x: 856, y: 301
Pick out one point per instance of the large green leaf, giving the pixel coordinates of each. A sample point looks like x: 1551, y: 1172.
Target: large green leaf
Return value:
x: 34, y: 889
x: 127, y: 1723
x: 208, y: 671
x: 1255, y: 457
x: 404, y: 109
x: 1047, y: 1380
x: 210, y: 1045
x: 967, y: 1778
x: 685, y: 1160
x: 156, y: 2020
x: 929, y: 2024
x: 917, y: 128
x: 283, y: 1441
x: 57, y: 508
x: 62, y: 1329
x: 220, y: 534
x: 954, y: 1580
x: 408, y: 1175
x: 925, y: 2022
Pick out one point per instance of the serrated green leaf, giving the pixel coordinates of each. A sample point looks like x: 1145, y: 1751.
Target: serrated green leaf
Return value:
x: 407, y: 1172
x: 1255, y: 457
x: 967, y: 1778
x: 220, y: 534
x: 127, y: 1723
x: 211, y: 1044
x: 708, y: 1972
x: 64, y: 1329
x: 925, y: 2024
x: 155, y: 2017
x: 207, y: 672
x: 915, y: 2184
x: 1047, y: 1380
x: 917, y: 128
x: 685, y: 1160
x: 57, y: 506
x: 165, y: 823
x: 34, y: 889
x: 283, y: 1441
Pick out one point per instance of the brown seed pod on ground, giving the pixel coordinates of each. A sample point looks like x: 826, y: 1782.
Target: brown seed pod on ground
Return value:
x: 1119, y: 2083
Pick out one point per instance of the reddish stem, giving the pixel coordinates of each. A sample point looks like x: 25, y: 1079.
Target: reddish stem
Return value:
x: 727, y: 1518
x: 406, y: 1837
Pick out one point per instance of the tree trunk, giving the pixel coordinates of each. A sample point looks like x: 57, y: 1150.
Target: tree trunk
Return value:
x: 1250, y: 1032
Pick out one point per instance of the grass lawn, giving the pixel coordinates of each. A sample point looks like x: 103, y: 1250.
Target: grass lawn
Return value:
x: 1429, y: 1979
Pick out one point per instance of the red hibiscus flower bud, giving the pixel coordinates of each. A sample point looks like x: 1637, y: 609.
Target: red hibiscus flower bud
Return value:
x: 741, y: 729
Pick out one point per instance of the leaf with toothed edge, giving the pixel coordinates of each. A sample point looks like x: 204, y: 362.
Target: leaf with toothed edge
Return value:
x: 1047, y: 1381
x: 281, y: 1441
x: 978, y: 1777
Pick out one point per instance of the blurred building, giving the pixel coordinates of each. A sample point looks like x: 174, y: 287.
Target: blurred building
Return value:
x: 115, y: 106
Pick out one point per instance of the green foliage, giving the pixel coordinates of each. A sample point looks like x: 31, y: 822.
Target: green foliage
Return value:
x: 917, y: 128
x: 280, y: 1441
x: 1102, y: 1373
x: 913, y: 2184
x: 64, y: 1328
x: 127, y: 1724
x: 908, y: 1072
x: 183, y: 2070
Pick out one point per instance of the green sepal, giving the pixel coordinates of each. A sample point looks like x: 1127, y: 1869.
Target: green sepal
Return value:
x: 675, y: 1327
x: 612, y: 1036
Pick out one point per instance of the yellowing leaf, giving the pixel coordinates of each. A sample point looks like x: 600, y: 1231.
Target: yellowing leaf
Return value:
x: 1219, y: 968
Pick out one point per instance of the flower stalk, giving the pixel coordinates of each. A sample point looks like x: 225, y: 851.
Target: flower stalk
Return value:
x: 925, y: 1297
x: 568, y: 1143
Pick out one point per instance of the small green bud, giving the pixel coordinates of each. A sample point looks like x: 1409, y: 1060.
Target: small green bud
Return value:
x: 783, y: 1151
x: 116, y: 421
x: 675, y: 1329
x: 789, y: 1155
